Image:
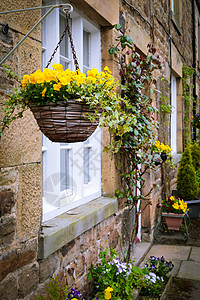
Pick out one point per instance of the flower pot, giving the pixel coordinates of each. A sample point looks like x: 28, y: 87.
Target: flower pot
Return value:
x: 194, y: 208
x: 173, y: 221
x: 64, y: 121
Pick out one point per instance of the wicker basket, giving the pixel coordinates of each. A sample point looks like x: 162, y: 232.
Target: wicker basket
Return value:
x: 64, y: 121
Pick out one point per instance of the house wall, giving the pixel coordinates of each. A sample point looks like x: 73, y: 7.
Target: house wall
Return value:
x: 20, y: 147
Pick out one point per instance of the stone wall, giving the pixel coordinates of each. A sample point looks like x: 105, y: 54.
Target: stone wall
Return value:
x: 20, y: 149
x: 20, y: 162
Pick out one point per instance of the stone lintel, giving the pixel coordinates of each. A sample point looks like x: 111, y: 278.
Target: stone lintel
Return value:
x: 104, y: 12
x: 61, y: 230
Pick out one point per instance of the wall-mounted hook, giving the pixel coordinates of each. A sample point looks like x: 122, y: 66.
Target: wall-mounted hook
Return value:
x: 5, y: 29
x: 68, y: 9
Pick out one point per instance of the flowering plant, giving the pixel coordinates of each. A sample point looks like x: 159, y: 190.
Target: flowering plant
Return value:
x: 115, y: 279
x: 196, y: 121
x: 156, y: 273
x: 52, y: 85
x: 160, y: 147
x: 174, y: 205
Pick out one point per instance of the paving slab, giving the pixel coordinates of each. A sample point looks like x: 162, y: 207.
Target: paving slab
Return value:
x: 140, y: 251
x: 170, y: 252
x: 189, y: 270
x: 195, y: 254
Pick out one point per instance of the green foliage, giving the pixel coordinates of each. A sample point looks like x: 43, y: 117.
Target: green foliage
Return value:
x: 186, y: 178
x: 195, y: 152
x: 156, y: 274
x: 198, y: 177
x: 188, y: 100
x: 121, y: 277
x: 54, y: 290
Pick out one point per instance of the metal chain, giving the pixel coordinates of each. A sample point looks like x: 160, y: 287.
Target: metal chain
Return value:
x: 67, y: 29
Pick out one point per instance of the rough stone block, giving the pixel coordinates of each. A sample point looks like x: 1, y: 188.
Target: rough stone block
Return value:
x: 7, y: 231
x: 22, y: 21
x: 114, y: 239
x: 86, y: 239
x: 8, y: 289
x: 29, y: 201
x: 70, y: 274
x: 28, y: 280
x: 80, y: 266
x: 6, y: 202
x: 48, y: 266
x: 72, y: 253
x: 8, y: 176
x: 21, y: 143
x: 14, y: 260
x: 91, y: 256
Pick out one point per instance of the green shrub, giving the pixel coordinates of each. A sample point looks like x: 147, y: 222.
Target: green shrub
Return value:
x: 195, y: 151
x: 187, y: 185
x: 198, y: 177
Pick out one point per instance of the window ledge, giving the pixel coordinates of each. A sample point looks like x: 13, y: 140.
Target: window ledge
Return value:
x: 176, y: 157
x: 61, y: 230
x: 177, y: 26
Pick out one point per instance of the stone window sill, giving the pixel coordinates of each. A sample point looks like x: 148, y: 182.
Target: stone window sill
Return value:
x: 176, y: 157
x: 61, y: 230
x: 177, y: 26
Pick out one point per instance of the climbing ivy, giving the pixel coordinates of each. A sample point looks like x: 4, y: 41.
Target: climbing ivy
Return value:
x: 134, y: 156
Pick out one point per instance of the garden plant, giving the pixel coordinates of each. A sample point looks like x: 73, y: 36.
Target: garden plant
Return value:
x: 187, y: 185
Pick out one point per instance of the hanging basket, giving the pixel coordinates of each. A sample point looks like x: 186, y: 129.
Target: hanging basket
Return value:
x: 64, y: 121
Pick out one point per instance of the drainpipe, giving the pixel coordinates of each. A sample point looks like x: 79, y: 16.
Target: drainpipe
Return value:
x: 194, y: 64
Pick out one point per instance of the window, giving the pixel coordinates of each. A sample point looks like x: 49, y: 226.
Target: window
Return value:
x: 176, y: 10
x: 71, y: 171
x: 174, y: 114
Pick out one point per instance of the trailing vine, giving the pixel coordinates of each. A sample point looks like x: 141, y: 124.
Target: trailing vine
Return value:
x: 134, y: 155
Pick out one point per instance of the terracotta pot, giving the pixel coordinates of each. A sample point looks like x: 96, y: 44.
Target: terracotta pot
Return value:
x: 173, y: 221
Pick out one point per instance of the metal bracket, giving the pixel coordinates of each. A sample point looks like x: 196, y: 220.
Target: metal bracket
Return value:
x: 69, y: 9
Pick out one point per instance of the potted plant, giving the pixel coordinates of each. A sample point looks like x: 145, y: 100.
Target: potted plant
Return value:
x: 67, y: 105
x: 187, y: 185
x: 173, y: 210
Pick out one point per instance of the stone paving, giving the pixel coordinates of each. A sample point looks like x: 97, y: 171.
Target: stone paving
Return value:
x: 186, y: 260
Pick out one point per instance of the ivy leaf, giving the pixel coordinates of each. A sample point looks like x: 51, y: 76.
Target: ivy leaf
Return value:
x: 111, y: 51
x: 129, y: 40
x: 118, y: 26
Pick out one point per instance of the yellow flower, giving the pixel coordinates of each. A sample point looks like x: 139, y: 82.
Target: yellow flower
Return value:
x: 107, y: 293
x: 74, y: 299
x: 32, y: 78
x: 57, y: 86
x: 57, y: 67
x: 49, y: 75
x: 43, y: 92
x: 175, y: 205
x: 107, y: 69
x: 25, y: 80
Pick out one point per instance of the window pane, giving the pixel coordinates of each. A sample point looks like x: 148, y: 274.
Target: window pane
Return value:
x: 86, y: 40
x: 64, y: 170
x: 64, y: 63
x: 64, y: 46
x: 86, y: 158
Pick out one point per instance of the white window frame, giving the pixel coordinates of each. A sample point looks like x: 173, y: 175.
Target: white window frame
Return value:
x: 174, y: 114
x: 80, y: 193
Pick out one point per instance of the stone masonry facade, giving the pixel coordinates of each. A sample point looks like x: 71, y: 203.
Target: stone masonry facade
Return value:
x: 23, y: 274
